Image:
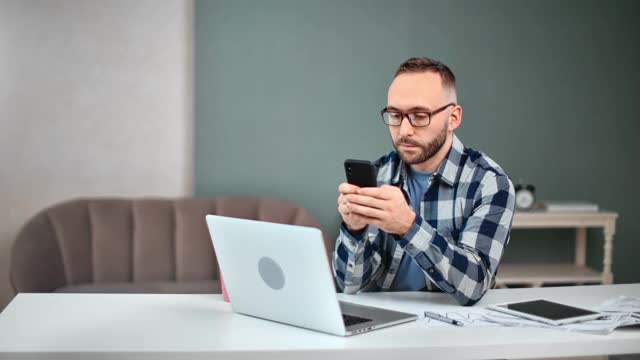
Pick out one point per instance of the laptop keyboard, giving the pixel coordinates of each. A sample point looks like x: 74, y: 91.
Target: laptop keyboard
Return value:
x: 353, y: 320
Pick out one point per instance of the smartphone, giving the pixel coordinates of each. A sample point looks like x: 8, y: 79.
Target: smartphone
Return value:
x: 361, y: 173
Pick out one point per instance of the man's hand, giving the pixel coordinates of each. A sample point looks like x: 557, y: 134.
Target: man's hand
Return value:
x: 353, y: 222
x: 384, y: 207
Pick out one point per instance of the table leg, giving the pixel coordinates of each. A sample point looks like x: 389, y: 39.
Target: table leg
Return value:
x: 581, y: 246
x: 609, y: 232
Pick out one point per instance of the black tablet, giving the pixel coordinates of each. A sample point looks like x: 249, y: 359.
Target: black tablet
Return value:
x: 547, y: 311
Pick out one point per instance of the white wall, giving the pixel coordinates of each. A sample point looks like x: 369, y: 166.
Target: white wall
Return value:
x: 95, y: 99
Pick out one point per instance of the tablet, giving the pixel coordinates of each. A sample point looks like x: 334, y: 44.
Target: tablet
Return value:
x: 548, y: 312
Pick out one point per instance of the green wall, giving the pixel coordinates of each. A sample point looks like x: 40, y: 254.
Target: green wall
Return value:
x: 286, y: 90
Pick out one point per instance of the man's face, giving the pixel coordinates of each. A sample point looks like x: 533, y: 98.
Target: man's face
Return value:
x: 414, y: 92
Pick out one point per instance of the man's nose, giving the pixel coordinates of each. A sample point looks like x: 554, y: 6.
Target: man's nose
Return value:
x: 405, y: 126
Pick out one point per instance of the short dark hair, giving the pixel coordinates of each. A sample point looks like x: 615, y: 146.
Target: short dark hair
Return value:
x: 425, y: 64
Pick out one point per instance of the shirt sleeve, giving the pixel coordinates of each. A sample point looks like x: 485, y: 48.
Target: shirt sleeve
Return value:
x: 357, y: 260
x: 467, y: 268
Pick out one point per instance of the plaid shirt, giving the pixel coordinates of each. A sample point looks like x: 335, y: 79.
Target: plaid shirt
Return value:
x: 457, y: 239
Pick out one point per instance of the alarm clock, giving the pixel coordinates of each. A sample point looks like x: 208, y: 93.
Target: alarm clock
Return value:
x: 525, y: 196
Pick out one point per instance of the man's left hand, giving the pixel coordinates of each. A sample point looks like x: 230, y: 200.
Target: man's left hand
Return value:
x: 384, y: 207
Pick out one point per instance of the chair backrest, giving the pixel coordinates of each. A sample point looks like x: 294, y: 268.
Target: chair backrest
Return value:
x: 99, y: 240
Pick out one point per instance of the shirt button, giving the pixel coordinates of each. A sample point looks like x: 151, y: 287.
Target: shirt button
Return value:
x: 431, y: 271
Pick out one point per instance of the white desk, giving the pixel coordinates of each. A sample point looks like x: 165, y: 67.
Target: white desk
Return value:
x: 86, y: 326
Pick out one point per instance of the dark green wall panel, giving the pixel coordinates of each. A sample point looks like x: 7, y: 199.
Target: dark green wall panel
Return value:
x: 286, y: 90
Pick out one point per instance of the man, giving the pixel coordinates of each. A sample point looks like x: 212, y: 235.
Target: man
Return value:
x: 441, y: 216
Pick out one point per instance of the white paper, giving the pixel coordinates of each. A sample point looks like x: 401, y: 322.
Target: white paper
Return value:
x: 618, y: 312
x: 602, y: 326
x: 621, y: 304
x: 470, y: 317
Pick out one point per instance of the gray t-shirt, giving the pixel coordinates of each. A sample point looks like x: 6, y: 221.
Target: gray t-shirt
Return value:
x: 410, y: 276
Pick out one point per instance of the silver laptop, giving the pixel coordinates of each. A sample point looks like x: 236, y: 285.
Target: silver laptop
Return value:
x: 281, y: 273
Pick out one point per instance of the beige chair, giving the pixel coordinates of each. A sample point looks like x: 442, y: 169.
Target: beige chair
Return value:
x: 133, y: 245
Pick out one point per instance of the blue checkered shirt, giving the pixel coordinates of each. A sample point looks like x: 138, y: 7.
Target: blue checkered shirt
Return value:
x: 458, y: 238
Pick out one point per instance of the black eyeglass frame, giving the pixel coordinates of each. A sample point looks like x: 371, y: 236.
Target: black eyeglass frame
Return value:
x: 411, y: 115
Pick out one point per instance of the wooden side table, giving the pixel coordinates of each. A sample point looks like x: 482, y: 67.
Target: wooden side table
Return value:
x: 538, y: 274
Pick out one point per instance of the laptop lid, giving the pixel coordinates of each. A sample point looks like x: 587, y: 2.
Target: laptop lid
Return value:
x: 277, y: 272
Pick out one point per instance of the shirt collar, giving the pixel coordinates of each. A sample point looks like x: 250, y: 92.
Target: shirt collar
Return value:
x: 447, y: 171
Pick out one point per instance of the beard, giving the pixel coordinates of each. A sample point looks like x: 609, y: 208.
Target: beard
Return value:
x: 425, y: 151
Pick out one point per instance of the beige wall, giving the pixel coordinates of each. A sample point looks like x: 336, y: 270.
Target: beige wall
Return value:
x: 95, y: 99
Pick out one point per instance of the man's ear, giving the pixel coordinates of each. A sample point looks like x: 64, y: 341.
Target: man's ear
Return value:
x: 455, y: 117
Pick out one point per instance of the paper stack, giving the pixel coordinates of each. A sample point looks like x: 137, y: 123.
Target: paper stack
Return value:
x: 620, y: 312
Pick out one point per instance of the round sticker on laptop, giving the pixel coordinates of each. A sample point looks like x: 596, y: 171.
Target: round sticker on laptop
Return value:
x: 271, y: 273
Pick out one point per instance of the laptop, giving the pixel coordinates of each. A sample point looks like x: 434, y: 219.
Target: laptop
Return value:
x: 281, y: 273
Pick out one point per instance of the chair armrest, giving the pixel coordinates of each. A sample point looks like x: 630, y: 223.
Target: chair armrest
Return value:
x: 36, y: 263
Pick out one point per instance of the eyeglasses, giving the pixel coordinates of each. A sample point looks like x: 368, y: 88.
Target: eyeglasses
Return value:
x: 417, y: 119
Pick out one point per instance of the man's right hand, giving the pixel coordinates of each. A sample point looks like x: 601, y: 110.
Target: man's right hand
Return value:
x: 354, y: 222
